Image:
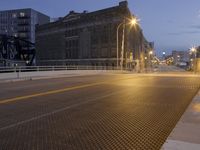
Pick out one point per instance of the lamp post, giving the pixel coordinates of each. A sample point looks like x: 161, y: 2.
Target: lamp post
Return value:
x: 194, y: 51
x: 151, y: 53
x: 150, y: 59
x: 118, y: 42
x: 133, y: 21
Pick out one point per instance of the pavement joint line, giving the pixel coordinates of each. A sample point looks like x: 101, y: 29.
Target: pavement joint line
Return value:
x: 58, y: 110
x: 5, y: 101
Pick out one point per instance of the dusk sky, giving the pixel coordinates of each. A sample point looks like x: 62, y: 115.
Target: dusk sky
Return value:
x: 171, y: 24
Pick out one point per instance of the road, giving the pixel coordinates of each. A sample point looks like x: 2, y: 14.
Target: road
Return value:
x: 121, y: 111
x: 168, y: 68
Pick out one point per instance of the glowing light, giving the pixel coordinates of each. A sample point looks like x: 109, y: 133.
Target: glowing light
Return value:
x: 193, y: 49
x: 151, y: 52
x: 134, y: 21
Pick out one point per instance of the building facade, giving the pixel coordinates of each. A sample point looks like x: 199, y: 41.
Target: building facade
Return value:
x: 90, y: 38
x: 21, y: 23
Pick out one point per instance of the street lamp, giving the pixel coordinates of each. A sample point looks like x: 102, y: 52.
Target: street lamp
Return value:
x: 193, y: 50
x: 151, y: 53
x: 132, y: 22
x: 163, y: 55
x: 150, y: 58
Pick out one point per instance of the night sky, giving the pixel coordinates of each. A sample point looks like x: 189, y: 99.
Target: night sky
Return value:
x: 171, y: 24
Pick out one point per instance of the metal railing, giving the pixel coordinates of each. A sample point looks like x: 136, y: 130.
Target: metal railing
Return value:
x: 52, y: 68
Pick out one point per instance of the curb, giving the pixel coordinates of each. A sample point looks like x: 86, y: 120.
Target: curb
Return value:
x: 186, y: 134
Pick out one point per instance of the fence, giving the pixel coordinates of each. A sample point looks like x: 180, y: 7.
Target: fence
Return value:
x: 29, y: 72
x: 52, y: 68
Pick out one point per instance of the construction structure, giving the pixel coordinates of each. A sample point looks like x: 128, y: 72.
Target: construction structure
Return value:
x: 17, y: 29
x: 16, y: 51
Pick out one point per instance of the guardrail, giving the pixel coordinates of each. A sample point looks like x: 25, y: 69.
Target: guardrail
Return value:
x: 52, y: 68
x: 30, y: 72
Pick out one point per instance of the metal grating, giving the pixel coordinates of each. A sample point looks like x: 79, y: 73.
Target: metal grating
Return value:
x: 138, y: 118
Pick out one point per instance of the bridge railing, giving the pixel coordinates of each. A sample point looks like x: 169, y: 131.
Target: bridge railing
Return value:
x: 52, y: 68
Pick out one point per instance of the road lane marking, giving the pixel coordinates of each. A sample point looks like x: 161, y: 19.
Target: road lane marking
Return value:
x: 48, y: 93
x: 5, y: 101
x: 58, y: 110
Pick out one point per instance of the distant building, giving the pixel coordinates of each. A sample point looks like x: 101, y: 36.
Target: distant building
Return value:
x: 21, y: 23
x: 55, y: 19
x: 89, y: 38
x: 180, y: 57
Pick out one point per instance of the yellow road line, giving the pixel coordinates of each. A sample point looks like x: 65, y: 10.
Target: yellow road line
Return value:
x: 56, y: 91
x: 48, y: 93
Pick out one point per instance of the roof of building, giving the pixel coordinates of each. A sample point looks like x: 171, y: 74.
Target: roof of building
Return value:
x: 22, y: 9
x: 122, y: 5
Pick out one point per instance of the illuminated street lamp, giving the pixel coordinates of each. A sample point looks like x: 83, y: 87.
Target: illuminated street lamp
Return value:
x: 193, y: 50
x: 163, y: 55
x: 151, y: 53
x: 150, y: 58
x: 132, y: 22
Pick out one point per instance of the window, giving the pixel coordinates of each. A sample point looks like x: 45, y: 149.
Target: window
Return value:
x: 22, y: 14
x: 14, y: 15
x: 15, y: 34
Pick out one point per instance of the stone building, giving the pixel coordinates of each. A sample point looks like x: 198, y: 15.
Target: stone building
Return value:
x: 90, y: 38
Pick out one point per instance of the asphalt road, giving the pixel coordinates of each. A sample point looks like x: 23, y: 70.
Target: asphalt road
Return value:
x: 93, y: 112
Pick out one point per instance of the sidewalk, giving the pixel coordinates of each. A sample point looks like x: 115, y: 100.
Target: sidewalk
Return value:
x: 186, y: 134
x: 12, y: 77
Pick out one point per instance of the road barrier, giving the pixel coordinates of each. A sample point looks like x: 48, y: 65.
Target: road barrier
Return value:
x: 30, y: 72
x: 53, y: 68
